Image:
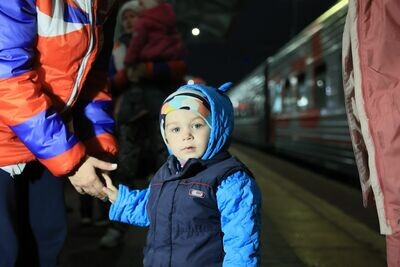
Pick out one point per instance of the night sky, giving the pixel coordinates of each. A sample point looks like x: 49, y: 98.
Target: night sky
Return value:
x: 259, y: 30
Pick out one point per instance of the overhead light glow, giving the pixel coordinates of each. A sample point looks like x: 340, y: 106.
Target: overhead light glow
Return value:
x: 190, y: 82
x: 195, y: 31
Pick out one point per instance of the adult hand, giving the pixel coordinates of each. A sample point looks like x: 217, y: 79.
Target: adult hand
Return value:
x: 86, y: 180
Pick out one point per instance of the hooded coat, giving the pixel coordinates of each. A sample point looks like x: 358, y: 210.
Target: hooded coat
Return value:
x: 371, y: 71
x: 206, y: 214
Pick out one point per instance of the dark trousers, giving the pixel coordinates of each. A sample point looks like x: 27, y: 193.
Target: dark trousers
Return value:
x: 88, y: 205
x: 33, y: 224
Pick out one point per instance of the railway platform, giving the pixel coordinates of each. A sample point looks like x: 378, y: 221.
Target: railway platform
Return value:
x: 307, y: 220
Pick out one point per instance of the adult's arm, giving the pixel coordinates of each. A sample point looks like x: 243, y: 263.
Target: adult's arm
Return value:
x: 24, y: 108
x: 93, y: 119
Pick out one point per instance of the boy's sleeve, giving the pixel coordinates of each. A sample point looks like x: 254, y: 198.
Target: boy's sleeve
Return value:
x: 130, y: 207
x: 24, y: 108
x: 239, y: 202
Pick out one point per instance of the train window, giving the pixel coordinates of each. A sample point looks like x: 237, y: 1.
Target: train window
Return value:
x: 304, y: 93
x: 275, y: 91
x: 289, y: 97
x: 320, y: 86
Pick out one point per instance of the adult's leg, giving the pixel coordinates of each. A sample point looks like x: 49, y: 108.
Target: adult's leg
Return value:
x: 47, y: 213
x: 393, y: 250
x: 8, y: 236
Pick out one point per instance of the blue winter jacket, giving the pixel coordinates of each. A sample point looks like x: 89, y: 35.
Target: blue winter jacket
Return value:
x: 222, y: 223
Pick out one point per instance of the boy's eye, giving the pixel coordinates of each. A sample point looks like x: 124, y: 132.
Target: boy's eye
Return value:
x: 197, y: 125
x: 175, y: 130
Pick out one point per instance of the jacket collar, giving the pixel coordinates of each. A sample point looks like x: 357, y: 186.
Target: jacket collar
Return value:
x: 192, y: 166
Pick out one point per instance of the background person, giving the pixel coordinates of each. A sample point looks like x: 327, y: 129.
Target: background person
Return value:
x: 141, y: 149
x: 156, y: 37
x: 136, y: 108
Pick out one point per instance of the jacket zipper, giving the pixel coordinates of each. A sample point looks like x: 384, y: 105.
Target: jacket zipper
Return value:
x: 85, y: 59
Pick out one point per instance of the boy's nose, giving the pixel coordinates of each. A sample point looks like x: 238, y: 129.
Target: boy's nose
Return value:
x: 187, y: 135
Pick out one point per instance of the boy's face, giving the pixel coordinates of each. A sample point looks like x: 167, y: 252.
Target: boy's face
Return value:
x: 186, y: 134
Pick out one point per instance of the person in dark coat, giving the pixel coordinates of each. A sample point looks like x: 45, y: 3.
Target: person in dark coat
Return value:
x: 141, y: 149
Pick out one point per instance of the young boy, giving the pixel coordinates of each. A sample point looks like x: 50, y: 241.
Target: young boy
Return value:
x: 203, y: 205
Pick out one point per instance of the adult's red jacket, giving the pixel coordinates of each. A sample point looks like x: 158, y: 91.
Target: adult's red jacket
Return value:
x: 49, y: 78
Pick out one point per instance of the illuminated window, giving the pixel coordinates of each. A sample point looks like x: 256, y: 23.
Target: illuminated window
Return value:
x: 320, y: 86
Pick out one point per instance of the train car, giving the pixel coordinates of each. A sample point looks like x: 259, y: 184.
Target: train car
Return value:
x: 251, y: 111
x: 294, y: 101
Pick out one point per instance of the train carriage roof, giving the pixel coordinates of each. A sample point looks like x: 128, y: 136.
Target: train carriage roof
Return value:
x: 330, y: 22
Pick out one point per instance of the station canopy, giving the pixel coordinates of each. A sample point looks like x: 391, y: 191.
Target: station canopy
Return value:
x: 212, y: 17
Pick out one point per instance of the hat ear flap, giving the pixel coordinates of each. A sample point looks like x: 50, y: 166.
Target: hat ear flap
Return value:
x: 225, y: 87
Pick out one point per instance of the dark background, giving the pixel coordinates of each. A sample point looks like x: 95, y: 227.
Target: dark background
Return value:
x: 237, y: 35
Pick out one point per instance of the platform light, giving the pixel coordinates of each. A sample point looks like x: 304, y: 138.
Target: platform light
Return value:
x: 195, y: 31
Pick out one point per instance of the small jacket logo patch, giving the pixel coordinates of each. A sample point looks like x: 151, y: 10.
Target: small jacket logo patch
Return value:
x: 196, y: 193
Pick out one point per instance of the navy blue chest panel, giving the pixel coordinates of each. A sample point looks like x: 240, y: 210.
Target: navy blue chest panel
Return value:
x: 185, y: 227
x: 192, y: 203
x: 189, y: 203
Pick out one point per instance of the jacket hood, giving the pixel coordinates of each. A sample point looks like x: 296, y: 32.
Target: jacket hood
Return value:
x: 221, y: 110
x: 162, y: 13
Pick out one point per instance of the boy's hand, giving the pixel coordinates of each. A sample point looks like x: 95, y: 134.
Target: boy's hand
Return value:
x: 110, y: 190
